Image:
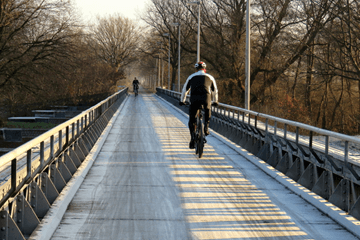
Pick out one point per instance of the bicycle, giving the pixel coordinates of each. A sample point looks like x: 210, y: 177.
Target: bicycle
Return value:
x: 200, y: 139
x: 199, y: 135
x: 136, y: 90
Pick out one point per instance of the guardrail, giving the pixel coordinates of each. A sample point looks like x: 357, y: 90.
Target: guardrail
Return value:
x: 33, y: 175
x: 325, y: 162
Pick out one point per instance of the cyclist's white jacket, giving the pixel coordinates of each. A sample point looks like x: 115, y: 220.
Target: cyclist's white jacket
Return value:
x: 202, y: 87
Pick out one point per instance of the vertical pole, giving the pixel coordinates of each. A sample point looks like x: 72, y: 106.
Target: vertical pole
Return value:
x: 198, y: 37
x: 179, y: 62
x: 169, y: 66
x: 162, y: 72
x: 247, y: 56
x: 155, y: 75
x: 158, y: 83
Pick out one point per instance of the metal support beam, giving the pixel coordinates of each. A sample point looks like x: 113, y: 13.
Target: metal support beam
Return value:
x: 24, y: 216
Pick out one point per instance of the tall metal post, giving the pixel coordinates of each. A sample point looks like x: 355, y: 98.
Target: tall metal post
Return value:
x: 198, y: 33
x: 158, y: 81
x: 179, y: 61
x: 168, y: 35
x: 169, y: 87
x: 198, y: 36
x: 162, y: 72
x: 179, y: 47
x: 247, y: 57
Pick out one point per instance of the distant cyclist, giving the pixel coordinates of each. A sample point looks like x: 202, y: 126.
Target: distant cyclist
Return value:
x: 135, y: 84
x: 203, y: 89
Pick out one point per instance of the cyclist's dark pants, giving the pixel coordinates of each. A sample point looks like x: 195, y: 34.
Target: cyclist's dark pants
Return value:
x: 194, y: 106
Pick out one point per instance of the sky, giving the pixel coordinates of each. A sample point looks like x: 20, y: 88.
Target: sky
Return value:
x: 89, y: 9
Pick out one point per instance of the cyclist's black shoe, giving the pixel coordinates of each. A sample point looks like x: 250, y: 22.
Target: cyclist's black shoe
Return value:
x: 192, y: 144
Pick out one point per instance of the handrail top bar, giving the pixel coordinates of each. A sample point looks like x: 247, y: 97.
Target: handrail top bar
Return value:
x: 296, y: 124
x: 6, y: 158
x: 290, y: 122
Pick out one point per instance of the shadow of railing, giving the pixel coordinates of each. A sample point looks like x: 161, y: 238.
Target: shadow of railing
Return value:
x: 217, y: 200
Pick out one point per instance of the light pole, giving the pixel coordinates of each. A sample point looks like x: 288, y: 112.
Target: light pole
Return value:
x: 198, y: 33
x: 159, y: 67
x: 168, y: 35
x: 178, y: 24
x: 162, y: 72
x: 247, y: 57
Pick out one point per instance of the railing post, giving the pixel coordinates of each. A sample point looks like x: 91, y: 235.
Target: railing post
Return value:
x: 326, y: 145
x: 28, y: 163
x: 13, y: 174
x: 72, y: 131
x: 297, y: 135
x: 266, y: 126
x: 52, y: 146
x: 82, y: 124
x: 42, y: 153
x: 77, y: 128
x: 346, y: 152
x: 60, y: 140
x: 67, y: 136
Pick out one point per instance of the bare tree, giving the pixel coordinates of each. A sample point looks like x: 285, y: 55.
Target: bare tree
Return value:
x: 115, y: 40
x: 305, y: 49
x: 34, y: 35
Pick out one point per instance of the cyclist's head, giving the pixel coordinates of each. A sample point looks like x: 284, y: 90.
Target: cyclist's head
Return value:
x: 200, y: 65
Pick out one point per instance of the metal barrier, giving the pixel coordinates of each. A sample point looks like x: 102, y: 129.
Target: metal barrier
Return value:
x: 33, y: 175
x: 302, y: 152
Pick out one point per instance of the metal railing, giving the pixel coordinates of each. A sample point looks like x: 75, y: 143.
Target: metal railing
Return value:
x: 319, y: 159
x: 33, y: 175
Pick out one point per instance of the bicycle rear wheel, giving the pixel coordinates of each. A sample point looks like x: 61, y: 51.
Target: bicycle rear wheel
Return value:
x: 199, y: 134
x: 196, y: 140
x: 201, y: 139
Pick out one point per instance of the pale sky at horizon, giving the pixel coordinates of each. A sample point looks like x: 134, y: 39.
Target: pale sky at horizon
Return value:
x: 89, y: 9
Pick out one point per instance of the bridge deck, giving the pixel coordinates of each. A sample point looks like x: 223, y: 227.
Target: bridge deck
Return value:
x: 147, y: 184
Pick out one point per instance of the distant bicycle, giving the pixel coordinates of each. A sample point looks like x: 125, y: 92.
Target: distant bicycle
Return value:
x: 136, y: 90
x: 136, y: 86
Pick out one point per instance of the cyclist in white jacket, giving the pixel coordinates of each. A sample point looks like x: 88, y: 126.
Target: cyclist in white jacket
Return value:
x: 203, y: 90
